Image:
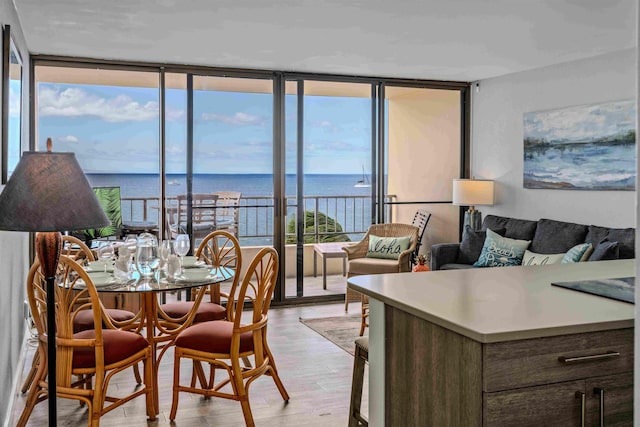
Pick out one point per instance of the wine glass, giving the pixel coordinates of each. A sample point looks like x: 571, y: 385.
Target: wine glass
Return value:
x: 182, y: 247
x: 106, y: 253
x: 169, y: 257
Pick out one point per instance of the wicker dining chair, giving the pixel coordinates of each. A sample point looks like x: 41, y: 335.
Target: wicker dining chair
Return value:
x: 224, y: 343
x: 78, y: 251
x: 220, y: 249
x: 359, y: 264
x: 86, y: 361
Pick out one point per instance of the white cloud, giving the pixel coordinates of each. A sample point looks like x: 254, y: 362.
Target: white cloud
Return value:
x: 239, y: 118
x: 75, y: 102
x: 68, y: 138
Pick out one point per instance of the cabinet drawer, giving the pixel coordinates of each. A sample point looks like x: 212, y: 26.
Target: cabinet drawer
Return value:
x: 550, y: 405
x: 524, y: 363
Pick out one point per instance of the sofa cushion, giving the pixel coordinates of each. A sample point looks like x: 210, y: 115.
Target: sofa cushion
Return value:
x: 553, y: 237
x: 501, y: 251
x: 521, y: 229
x: 578, y: 253
x: 626, y: 238
x: 471, y: 244
x: 605, y: 251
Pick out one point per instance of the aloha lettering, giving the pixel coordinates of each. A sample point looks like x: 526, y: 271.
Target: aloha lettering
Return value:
x: 392, y: 248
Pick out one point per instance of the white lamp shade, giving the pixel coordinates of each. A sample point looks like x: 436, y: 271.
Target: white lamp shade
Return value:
x: 472, y: 192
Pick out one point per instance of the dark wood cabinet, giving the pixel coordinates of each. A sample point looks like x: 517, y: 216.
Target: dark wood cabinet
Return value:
x: 550, y: 381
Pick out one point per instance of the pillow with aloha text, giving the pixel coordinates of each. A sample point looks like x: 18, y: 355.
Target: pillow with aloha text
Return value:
x: 387, y: 247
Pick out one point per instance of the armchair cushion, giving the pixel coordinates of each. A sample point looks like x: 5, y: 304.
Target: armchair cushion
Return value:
x: 387, y: 247
x: 360, y: 266
x: 501, y: 251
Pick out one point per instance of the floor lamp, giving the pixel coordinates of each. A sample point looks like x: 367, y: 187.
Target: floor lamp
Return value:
x: 48, y: 193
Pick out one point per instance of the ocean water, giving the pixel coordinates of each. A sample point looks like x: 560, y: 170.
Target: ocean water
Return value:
x: 251, y: 185
x: 592, y: 166
x: 256, y: 224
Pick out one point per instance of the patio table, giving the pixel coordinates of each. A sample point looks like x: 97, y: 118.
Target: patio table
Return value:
x: 160, y: 328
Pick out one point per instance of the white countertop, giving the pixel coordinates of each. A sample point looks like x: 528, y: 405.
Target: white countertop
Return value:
x: 507, y: 303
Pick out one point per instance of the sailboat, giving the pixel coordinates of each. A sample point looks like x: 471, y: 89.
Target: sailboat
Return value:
x: 364, y: 182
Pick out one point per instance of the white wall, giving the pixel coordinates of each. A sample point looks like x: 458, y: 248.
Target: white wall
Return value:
x: 14, y: 254
x: 497, y: 137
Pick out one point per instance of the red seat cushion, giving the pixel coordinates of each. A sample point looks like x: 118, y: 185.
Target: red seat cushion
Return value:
x: 118, y: 345
x: 84, y: 319
x: 207, y: 311
x: 213, y: 337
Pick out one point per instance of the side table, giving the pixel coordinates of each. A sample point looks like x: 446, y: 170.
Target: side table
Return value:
x: 328, y: 250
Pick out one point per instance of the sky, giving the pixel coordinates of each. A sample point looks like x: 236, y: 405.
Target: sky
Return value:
x: 580, y: 123
x: 115, y: 129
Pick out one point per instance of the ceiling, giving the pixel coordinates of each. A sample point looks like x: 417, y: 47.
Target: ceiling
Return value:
x: 462, y: 40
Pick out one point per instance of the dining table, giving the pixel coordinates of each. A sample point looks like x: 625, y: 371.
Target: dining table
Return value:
x: 159, y: 328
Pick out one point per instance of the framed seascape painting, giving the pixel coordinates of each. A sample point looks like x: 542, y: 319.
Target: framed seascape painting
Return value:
x: 589, y: 147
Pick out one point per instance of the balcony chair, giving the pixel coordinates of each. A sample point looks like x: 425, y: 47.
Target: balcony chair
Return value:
x: 359, y: 264
x: 203, y: 215
x: 420, y: 220
x: 223, y: 343
x: 75, y: 249
x: 227, y: 211
x: 94, y: 356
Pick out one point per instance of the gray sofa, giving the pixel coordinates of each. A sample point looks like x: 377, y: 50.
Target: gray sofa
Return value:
x: 547, y: 236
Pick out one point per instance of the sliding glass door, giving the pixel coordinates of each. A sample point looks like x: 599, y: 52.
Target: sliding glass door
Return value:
x: 304, y: 163
x: 328, y: 139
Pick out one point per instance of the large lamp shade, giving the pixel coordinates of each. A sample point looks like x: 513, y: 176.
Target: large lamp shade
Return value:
x: 472, y: 192
x: 48, y: 192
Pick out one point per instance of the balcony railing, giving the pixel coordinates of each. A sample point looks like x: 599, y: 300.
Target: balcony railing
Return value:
x: 352, y: 216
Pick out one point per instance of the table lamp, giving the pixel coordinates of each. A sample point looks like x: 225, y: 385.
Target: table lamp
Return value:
x: 472, y: 192
x: 48, y: 193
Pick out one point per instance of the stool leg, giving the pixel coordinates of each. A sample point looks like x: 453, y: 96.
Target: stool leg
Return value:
x: 355, y: 418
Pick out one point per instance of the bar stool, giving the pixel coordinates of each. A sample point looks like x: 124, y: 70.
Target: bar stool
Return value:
x: 360, y: 358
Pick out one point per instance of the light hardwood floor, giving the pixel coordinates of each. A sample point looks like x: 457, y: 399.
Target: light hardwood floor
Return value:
x: 316, y: 373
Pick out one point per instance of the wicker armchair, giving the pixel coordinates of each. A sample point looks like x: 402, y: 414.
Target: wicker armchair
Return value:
x: 359, y: 264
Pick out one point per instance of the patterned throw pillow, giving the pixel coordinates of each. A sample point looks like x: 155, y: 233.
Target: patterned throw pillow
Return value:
x: 532, y: 258
x: 578, y: 253
x: 501, y: 251
x: 387, y: 247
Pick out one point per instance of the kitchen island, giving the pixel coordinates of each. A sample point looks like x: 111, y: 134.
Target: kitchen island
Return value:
x: 499, y: 346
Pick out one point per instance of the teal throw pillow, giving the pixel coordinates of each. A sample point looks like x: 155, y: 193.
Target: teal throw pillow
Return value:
x: 501, y: 251
x: 578, y: 253
x: 387, y: 247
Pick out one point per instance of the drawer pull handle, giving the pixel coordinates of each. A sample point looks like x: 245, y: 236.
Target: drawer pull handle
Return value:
x: 583, y: 403
x: 600, y: 392
x: 607, y: 355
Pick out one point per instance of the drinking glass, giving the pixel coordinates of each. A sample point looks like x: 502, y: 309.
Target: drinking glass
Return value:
x: 169, y: 258
x: 147, y: 258
x: 106, y: 253
x: 182, y: 247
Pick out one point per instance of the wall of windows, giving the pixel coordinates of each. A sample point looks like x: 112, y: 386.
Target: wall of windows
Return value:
x: 301, y: 158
